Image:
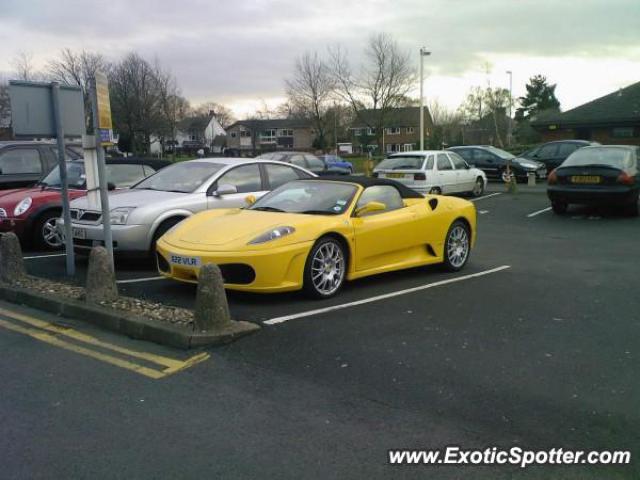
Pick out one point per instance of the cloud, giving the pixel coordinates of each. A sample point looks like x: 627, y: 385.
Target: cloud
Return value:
x: 243, y: 49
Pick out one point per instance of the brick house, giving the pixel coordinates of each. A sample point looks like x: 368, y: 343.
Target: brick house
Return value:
x: 612, y: 119
x: 401, y: 130
x: 259, y: 136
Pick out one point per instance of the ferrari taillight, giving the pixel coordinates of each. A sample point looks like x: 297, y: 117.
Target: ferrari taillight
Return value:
x: 625, y: 179
x: 553, y: 178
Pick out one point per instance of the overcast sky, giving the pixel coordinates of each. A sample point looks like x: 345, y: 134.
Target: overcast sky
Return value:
x: 239, y: 52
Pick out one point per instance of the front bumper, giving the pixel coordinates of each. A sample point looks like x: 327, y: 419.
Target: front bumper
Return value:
x: 279, y: 269
x: 593, y: 195
x: 132, y: 239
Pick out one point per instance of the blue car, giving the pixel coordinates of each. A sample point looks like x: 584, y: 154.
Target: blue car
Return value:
x: 336, y: 162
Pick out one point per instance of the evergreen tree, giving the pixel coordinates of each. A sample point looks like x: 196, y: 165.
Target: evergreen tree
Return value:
x: 540, y: 96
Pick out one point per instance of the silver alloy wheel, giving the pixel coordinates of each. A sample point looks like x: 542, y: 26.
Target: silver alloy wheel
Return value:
x: 478, y: 188
x: 50, y: 233
x: 458, y: 246
x: 327, y: 268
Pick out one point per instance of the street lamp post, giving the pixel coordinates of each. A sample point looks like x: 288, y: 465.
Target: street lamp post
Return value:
x: 423, y: 53
x: 510, y: 134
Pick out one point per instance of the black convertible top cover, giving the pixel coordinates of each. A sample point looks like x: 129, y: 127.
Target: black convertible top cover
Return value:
x: 405, y: 192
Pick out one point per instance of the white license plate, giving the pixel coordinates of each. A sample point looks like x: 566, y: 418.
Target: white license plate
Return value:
x: 185, y: 261
x: 80, y: 233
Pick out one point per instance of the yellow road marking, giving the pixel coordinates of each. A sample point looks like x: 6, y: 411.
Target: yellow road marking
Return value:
x: 48, y: 333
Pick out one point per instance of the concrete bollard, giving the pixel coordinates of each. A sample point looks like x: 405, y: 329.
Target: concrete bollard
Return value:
x: 211, y: 320
x: 531, y: 179
x: 101, y: 279
x: 212, y: 309
x: 11, y: 262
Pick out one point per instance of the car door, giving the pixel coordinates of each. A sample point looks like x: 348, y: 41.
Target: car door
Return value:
x: 316, y: 165
x: 247, y: 180
x: 382, y: 238
x: 20, y: 166
x: 464, y: 176
x: 446, y: 173
x: 548, y: 155
x: 487, y: 162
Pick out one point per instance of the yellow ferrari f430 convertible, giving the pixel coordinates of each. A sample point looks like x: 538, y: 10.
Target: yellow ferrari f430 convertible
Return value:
x: 316, y: 233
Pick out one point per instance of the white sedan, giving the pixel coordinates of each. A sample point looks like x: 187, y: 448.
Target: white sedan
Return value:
x: 433, y: 171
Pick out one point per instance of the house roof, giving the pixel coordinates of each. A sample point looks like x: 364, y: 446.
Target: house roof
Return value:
x: 396, y: 117
x: 256, y: 124
x: 199, y: 122
x: 622, y: 106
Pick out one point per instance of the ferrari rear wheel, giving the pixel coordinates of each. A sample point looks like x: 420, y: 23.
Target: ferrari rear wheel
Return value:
x: 325, y: 268
x: 457, y: 246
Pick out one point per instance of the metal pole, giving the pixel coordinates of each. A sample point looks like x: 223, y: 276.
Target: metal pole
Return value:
x: 62, y: 165
x: 510, y: 73
x: 102, y: 174
x: 421, y: 100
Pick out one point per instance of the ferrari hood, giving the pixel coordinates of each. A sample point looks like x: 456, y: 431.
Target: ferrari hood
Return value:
x: 236, y: 228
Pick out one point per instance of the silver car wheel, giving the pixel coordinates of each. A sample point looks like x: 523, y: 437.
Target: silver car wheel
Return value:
x: 327, y: 268
x: 50, y: 233
x: 458, y: 246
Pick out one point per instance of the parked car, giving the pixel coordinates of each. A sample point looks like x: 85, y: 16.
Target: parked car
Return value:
x: 32, y: 213
x: 552, y: 154
x: 142, y: 214
x: 598, y: 175
x: 304, y: 235
x: 433, y: 171
x: 337, y: 162
x: 23, y: 163
x: 304, y: 160
x: 493, y: 162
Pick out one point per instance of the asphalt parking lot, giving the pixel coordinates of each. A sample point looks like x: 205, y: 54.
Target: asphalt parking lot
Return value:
x: 534, y: 344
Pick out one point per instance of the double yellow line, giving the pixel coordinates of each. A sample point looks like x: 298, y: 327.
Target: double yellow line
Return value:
x: 51, y: 333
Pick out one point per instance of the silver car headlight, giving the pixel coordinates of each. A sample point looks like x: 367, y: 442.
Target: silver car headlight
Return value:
x: 23, y: 206
x: 119, y: 216
x: 273, y: 234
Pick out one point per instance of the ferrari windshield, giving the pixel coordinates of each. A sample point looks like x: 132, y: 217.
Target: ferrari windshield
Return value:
x: 310, y: 197
x: 616, y: 157
x: 76, y: 177
x: 183, y: 177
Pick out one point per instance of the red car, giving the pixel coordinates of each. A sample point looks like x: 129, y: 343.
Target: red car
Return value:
x: 32, y: 213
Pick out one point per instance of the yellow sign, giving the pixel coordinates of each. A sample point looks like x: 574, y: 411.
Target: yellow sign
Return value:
x: 104, y: 105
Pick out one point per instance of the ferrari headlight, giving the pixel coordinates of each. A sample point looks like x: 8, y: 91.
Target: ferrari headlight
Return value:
x: 273, y: 234
x: 119, y: 216
x: 23, y: 206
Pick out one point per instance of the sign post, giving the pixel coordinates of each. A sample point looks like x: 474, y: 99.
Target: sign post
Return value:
x: 102, y: 129
x: 62, y: 165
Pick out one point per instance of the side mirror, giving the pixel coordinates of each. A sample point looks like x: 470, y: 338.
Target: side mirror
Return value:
x: 370, y: 208
x: 250, y: 199
x: 111, y: 186
x: 466, y: 165
x: 224, y: 189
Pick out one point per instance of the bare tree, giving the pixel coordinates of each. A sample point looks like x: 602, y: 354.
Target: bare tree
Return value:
x: 24, y: 68
x: 5, y: 106
x: 77, y: 68
x: 309, y: 91
x: 223, y: 114
x: 383, y: 83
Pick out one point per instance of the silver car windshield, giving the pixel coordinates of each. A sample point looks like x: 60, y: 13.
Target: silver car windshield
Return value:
x: 501, y: 153
x: 309, y: 197
x: 185, y: 177
x: 611, y: 157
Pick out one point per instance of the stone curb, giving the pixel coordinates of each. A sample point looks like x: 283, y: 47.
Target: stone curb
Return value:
x: 131, y: 325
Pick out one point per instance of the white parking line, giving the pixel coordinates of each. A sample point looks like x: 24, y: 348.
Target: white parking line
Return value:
x: 377, y: 298
x: 44, y: 256
x: 539, y: 212
x: 486, y: 196
x: 136, y: 280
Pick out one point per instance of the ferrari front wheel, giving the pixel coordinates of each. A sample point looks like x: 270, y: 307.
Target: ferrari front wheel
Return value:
x: 325, y: 268
x: 457, y: 246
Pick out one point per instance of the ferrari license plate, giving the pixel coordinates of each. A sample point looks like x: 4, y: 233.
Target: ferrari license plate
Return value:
x: 185, y: 261
x: 394, y: 175
x: 586, y: 179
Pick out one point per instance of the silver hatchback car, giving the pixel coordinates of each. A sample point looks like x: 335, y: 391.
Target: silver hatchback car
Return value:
x: 142, y: 214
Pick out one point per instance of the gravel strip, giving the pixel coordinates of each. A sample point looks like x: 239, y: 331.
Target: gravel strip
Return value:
x: 150, y: 310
